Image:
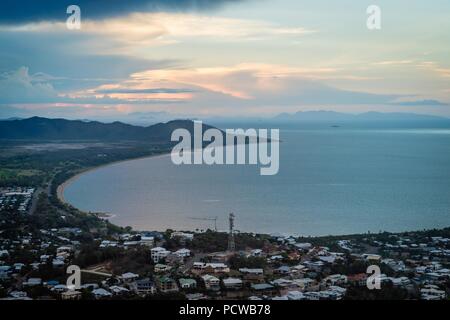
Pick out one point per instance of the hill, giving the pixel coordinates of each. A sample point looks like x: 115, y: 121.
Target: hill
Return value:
x: 37, y: 128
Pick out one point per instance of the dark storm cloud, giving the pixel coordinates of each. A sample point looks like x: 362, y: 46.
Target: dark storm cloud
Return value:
x: 20, y: 11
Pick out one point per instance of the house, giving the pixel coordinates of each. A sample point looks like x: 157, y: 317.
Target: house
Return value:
x: 18, y: 294
x: 162, y: 268
x: 252, y: 275
x: 305, y: 284
x: 128, y: 244
x: 107, y: 243
x: 71, y: 295
x: 196, y: 296
x: 276, y: 257
x: 182, y: 235
x: 431, y: 292
x: 255, y: 271
x: 359, y: 279
x: 335, y: 279
x: 283, y: 270
x: 256, y: 253
x: 158, y: 254
x: 58, y: 263
x: 219, y: 256
x: 101, y: 293
x: 184, y: 253
x: 303, y: 246
x: 285, y: 284
x: 263, y: 289
x: 4, y: 272
x: 33, y: 282
x: 328, y: 259
x: 211, y: 282
x: 400, y: 282
x: 145, y: 286
x: 44, y: 258
x: 294, y: 256
x: 187, y: 283
x: 89, y: 286
x: 118, y: 290
x: 166, y: 284
x: 129, y: 277
x: 295, y: 295
x: 395, y: 265
x: 51, y: 283
x: 198, y: 265
x: 232, y: 283
x: 211, y: 267
x: 147, y: 240
x: 217, y: 267
x: 313, y: 295
x: 64, y: 249
x: 314, y: 265
x: 60, y: 288
x: 371, y: 257
x: 174, y: 259
x: 18, y: 267
x: 298, y: 269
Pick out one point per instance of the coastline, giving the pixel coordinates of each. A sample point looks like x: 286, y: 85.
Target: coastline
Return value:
x: 61, y: 188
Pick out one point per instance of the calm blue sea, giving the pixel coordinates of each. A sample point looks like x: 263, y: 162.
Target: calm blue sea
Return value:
x: 331, y: 181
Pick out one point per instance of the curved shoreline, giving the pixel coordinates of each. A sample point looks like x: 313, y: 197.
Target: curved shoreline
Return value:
x: 61, y: 188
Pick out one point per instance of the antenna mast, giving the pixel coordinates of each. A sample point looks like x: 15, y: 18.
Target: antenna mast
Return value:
x: 231, y: 244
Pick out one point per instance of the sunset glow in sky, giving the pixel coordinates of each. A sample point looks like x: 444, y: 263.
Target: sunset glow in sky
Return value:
x: 223, y: 58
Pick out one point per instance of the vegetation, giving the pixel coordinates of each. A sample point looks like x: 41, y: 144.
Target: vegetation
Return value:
x: 211, y: 241
x: 236, y: 262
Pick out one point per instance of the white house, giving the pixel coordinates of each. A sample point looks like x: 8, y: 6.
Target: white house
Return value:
x: 101, y: 293
x: 182, y: 235
x: 335, y: 279
x: 158, y: 253
x: 129, y: 276
x: 184, y: 253
x: 254, y: 271
x: 232, y: 283
x: 216, y: 267
x: 295, y: 295
x: 147, y: 241
x: 256, y: 253
x: 211, y: 282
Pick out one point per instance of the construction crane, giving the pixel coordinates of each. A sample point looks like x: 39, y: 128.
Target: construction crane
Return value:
x: 207, y: 219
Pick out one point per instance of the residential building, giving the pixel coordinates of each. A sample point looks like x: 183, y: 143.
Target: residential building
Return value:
x: 211, y: 282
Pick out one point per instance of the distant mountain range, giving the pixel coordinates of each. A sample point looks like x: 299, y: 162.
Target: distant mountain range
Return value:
x: 38, y: 128
x: 332, y: 116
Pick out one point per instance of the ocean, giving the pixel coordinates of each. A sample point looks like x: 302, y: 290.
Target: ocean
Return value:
x: 331, y: 181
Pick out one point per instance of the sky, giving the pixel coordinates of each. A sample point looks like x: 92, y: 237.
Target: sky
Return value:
x: 231, y: 58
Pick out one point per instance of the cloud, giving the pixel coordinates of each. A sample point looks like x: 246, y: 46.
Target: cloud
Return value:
x: 131, y: 33
x: 21, y: 87
x: 428, y: 102
x: 434, y: 67
x: 393, y: 62
x: 239, y: 87
x: 138, y: 91
x: 70, y: 59
x: 23, y: 11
